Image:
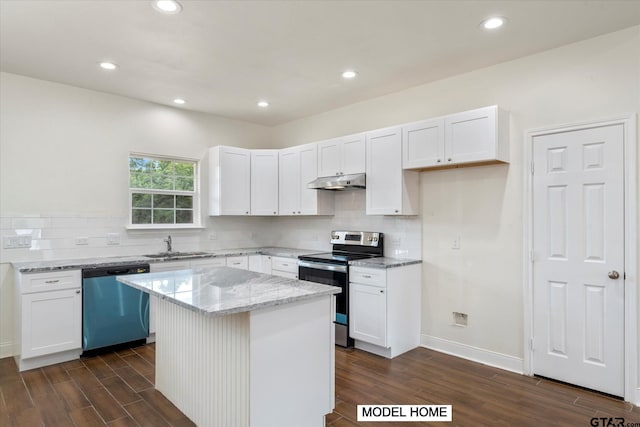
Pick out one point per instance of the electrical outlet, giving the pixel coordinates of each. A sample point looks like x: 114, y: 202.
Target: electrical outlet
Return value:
x: 460, y: 319
x: 82, y: 240
x: 455, y: 244
x: 113, y: 239
x: 213, y: 236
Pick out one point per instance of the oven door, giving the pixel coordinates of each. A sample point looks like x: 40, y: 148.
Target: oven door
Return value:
x: 334, y: 275
x: 328, y: 274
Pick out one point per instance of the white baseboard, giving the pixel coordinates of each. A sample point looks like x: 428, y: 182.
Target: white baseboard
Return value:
x: 6, y: 349
x: 637, y: 399
x: 475, y: 354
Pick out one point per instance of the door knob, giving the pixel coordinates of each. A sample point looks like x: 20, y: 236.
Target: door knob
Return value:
x: 614, y: 275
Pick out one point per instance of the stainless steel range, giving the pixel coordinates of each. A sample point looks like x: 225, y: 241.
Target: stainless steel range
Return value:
x: 332, y: 268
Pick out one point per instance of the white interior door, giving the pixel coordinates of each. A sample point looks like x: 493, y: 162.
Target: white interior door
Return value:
x: 578, y: 243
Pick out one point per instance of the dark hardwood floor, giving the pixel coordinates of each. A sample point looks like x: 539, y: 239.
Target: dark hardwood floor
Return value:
x: 116, y: 389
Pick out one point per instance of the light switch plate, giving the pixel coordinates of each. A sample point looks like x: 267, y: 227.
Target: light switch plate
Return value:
x: 113, y: 239
x: 82, y: 240
x: 16, y: 242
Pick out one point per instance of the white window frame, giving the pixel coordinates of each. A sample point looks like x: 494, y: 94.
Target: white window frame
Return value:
x: 195, y: 194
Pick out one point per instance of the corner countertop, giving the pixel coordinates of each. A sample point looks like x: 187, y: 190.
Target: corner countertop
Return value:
x: 220, y: 291
x: 383, y: 262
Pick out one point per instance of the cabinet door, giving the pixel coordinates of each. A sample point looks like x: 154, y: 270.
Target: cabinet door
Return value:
x: 51, y: 322
x: 266, y: 264
x: 368, y: 314
x: 308, y: 172
x: 264, y: 182
x: 471, y: 136
x: 353, y: 154
x: 235, y: 181
x: 329, y: 153
x: 255, y: 263
x: 289, y: 182
x: 384, y: 172
x: 423, y: 144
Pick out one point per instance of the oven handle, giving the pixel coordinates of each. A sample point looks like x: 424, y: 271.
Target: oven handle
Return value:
x: 323, y: 266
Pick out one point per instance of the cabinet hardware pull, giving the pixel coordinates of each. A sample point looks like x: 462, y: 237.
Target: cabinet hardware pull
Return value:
x: 439, y: 160
x: 52, y: 281
x: 382, y: 292
x: 78, y: 291
x: 366, y: 276
x: 285, y: 265
x: 448, y: 160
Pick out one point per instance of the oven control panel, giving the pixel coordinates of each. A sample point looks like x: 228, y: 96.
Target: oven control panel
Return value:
x: 360, y: 238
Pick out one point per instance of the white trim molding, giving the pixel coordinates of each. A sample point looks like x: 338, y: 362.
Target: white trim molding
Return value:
x: 632, y: 272
x: 6, y: 349
x: 475, y: 354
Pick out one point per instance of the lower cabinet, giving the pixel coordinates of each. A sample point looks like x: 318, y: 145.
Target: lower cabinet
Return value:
x: 241, y: 262
x: 384, y: 309
x: 48, y: 318
x: 284, y: 267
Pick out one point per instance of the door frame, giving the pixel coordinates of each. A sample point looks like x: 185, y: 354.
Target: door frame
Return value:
x: 631, y: 390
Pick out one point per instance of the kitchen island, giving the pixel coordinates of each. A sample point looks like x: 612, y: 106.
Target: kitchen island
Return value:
x: 238, y: 348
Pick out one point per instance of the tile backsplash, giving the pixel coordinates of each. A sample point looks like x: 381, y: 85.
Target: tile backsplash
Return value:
x: 56, y: 236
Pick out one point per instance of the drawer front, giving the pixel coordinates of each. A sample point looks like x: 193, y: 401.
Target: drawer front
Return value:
x: 368, y: 276
x: 50, y: 281
x: 241, y: 262
x: 209, y: 262
x: 289, y: 265
x: 169, y: 266
x: 286, y: 274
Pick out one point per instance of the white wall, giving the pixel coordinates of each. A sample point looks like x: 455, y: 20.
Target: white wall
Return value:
x: 591, y: 80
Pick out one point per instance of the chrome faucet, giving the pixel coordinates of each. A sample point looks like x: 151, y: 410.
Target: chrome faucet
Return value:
x: 168, y: 242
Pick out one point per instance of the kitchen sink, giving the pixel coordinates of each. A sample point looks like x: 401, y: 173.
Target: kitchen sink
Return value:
x: 176, y: 254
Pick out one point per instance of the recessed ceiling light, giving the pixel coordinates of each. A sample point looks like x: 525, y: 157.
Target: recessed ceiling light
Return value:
x: 167, y: 6
x: 179, y: 101
x: 493, y: 23
x: 349, y: 74
x: 108, y: 65
x: 263, y: 104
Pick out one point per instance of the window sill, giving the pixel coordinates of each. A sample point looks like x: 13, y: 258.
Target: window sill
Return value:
x: 164, y: 227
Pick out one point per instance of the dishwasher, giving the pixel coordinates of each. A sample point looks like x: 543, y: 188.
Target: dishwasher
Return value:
x: 112, y: 312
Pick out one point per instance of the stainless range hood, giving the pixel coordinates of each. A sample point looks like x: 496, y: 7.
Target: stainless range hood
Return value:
x: 339, y: 183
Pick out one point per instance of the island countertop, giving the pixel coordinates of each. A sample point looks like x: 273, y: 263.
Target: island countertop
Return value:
x: 220, y: 291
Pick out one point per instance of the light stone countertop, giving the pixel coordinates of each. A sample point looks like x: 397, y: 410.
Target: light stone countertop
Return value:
x: 383, y: 262
x: 86, y: 263
x: 221, y: 291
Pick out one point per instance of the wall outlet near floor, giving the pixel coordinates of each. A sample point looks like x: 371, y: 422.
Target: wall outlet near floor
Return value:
x: 455, y: 243
x: 113, y: 239
x: 82, y: 240
x: 16, y: 242
x: 460, y: 319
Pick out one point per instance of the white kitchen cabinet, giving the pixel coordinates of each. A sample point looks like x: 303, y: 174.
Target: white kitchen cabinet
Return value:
x: 48, y: 318
x: 240, y: 261
x: 266, y: 264
x: 229, y: 181
x: 264, y: 182
x: 208, y: 262
x: 384, y: 309
x: 391, y: 190
x: 256, y: 263
x: 297, y: 167
x: 368, y: 312
x: 284, y: 267
x: 342, y: 156
x: 468, y: 138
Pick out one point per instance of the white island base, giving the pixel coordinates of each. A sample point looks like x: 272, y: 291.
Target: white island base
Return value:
x: 268, y: 367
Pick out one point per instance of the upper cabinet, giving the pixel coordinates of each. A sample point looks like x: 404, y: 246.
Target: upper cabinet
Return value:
x: 390, y: 189
x: 342, y: 156
x: 463, y: 139
x: 264, y: 182
x: 229, y: 181
x: 297, y: 167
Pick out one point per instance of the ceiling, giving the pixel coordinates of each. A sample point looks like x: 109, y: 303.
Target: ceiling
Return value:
x: 224, y: 56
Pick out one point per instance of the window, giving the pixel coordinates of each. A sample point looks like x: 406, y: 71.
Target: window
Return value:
x: 163, y: 192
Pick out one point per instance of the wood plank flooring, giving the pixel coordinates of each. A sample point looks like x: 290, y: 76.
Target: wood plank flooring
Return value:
x: 116, y: 389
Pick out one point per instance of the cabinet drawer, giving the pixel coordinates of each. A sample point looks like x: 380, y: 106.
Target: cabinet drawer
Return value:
x: 169, y: 266
x: 50, y: 281
x: 368, y: 276
x: 289, y: 265
x: 209, y: 262
x: 286, y: 274
x: 241, y: 262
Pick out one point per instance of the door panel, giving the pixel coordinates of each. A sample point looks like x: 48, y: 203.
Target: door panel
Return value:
x: 578, y: 237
